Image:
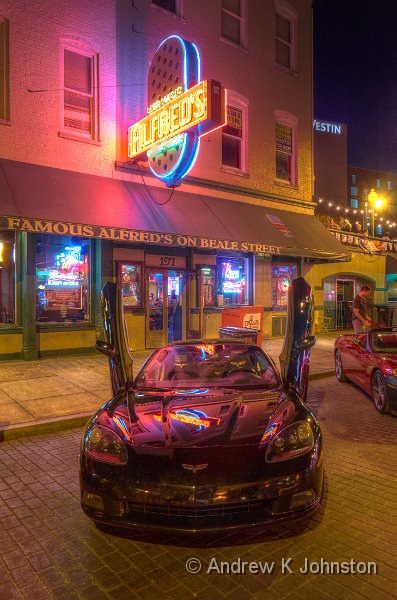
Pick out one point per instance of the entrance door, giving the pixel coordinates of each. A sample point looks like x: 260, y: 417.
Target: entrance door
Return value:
x: 165, y: 307
x: 176, y: 306
x: 345, y: 295
x: 156, y: 309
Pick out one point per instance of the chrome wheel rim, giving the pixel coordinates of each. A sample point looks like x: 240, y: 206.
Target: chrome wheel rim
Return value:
x: 378, y: 391
x: 338, y: 366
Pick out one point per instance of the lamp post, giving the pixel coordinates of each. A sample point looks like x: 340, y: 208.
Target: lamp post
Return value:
x: 372, y: 197
x: 375, y: 202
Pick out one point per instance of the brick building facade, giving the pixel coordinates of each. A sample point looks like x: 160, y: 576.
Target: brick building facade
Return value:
x: 78, y: 212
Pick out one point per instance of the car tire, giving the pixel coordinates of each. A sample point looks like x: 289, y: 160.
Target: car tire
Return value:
x: 379, y: 393
x: 339, y: 372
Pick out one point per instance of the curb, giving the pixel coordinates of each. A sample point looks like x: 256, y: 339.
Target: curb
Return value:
x: 321, y: 374
x: 13, y: 432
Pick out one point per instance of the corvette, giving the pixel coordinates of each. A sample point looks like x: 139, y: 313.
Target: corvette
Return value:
x: 209, y: 435
x: 370, y: 361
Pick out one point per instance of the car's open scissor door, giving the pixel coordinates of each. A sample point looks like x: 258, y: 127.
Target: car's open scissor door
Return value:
x: 298, y: 339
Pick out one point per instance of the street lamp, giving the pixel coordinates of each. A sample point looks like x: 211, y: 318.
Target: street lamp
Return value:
x: 376, y: 202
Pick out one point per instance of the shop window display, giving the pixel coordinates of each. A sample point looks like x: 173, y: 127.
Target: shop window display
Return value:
x: 130, y: 280
x: 7, y: 278
x: 232, y: 280
x: 62, y: 279
x: 282, y: 275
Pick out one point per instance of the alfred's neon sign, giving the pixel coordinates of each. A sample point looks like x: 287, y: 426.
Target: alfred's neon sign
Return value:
x: 182, y: 108
x: 176, y: 116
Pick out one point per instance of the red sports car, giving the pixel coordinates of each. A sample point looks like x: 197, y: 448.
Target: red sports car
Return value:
x: 370, y: 360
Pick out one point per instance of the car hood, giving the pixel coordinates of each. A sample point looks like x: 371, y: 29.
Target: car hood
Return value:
x: 202, y: 417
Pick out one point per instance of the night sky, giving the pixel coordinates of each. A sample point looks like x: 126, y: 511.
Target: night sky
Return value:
x: 355, y: 76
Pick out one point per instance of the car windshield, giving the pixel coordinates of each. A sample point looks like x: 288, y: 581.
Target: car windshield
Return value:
x: 384, y: 342
x: 207, y: 365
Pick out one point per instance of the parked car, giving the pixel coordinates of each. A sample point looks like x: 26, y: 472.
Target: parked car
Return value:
x: 209, y: 435
x: 370, y: 360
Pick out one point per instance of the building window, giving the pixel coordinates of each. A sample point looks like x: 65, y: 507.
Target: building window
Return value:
x: 354, y: 178
x: 286, y: 147
x: 130, y: 281
x: 283, y: 152
x: 62, y: 279
x: 378, y: 183
x: 282, y: 275
x: 233, y: 280
x: 285, y: 51
x: 233, y: 21
x: 354, y: 191
x: 234, y: 133
x: 354, y: 202
x: 389, y: 185
x: 172, y: 6
x: 232, y: 137
x: 80, y: 92
x: 4, y: 71
x: 7, y: 278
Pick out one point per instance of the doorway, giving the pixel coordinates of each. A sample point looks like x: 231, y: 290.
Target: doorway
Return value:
x: 339, y: 293
x: 165, y: 307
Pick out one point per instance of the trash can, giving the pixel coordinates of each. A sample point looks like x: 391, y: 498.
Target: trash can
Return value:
x: 244, y: 334
x: 384, y: 315
x: 244, y: 317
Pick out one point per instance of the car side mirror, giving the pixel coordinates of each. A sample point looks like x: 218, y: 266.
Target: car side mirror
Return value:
x: 106, y: 349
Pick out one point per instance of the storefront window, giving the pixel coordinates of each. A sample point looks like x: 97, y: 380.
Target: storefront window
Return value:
x: 62, y: 279
x: 208, y: 289
x: 232, y: 280
x: 130, y: 281
x: 282, y: 275
x: 7, y: 277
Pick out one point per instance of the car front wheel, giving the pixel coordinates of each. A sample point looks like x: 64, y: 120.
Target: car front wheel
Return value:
x: 339, y: 372
x: 379, y: 393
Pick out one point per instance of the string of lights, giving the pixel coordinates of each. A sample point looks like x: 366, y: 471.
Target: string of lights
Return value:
x: 340, y: 210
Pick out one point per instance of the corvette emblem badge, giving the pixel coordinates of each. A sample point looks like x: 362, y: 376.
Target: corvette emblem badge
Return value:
x: 195, y: 468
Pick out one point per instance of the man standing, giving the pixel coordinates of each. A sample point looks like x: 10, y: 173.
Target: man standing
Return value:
x: 360, y: 317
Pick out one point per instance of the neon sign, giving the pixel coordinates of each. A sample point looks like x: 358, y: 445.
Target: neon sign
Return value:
x: 233, y: 281
x: 70, y: 270
x: 182, y: 109
x: 175, y: 117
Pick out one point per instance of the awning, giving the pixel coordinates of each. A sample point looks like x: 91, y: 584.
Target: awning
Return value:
x: 42, y: 199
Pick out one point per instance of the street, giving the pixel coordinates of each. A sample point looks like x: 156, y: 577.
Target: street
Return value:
x: 49, y: 549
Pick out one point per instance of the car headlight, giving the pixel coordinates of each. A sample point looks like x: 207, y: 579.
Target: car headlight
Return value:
x: 292, y: 441
x: 104, y: 445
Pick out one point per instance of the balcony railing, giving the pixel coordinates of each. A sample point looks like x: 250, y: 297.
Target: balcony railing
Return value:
x: 360, y: 241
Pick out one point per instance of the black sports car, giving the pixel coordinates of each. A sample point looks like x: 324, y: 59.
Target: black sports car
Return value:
x: 209, y: 434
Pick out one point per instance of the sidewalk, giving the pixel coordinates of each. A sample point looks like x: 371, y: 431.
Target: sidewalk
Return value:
x: 57, y: 393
